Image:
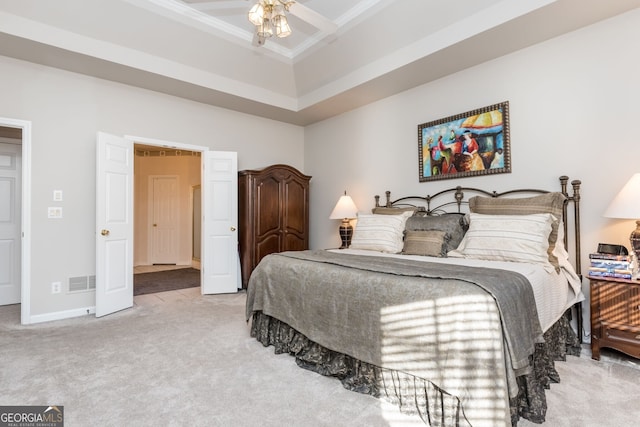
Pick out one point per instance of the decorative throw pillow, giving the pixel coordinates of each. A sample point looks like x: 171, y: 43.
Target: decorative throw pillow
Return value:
x: 452, y: 223
x: 552, y: 203
x: 379, y: 232
x: 519, y: 238
x: 383, y: 210
x: 427, y: 243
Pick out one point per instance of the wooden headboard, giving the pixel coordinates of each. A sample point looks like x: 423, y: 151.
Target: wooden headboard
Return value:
x: 457, y: 200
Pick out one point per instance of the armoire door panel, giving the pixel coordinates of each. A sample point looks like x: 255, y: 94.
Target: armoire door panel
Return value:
x: 296, y: 202
x: 295, y: 243
x: 267, y: 202
x: 267, y: 246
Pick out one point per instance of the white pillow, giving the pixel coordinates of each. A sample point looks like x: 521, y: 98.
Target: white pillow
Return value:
x: 379, y: 232
x: 518, y: 238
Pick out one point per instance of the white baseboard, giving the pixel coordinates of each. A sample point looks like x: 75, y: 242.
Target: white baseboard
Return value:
x: 59, y: 315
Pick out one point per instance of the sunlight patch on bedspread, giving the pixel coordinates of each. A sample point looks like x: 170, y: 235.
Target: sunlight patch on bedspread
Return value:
x: 456, y: 343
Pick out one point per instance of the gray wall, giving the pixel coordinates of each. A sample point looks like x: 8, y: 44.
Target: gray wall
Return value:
x: 574, y: 109
x: 66, y: 111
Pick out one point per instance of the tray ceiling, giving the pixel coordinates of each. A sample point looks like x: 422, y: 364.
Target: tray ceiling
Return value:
x: 342, y: 53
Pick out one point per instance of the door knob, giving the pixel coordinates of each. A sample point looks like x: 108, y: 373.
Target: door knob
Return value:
x: 105, y: 232
x: 233, y: 228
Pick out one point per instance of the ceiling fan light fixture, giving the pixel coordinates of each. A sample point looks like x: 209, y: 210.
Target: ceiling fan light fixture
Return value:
x: 269, y: 16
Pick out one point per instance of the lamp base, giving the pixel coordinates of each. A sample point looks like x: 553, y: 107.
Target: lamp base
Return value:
x: 346, y: 231
x: 634, y: 239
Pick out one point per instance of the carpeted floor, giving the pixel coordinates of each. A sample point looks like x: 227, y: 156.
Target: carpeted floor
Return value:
x: 168, y: 280
x: 192, y: 362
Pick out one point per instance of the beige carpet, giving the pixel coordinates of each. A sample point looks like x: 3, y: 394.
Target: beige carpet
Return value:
x: 192, y: 362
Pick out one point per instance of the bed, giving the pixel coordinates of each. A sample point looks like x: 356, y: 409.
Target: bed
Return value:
x: 452, y: 306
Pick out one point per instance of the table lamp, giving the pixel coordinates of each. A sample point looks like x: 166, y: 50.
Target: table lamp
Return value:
x: 626, y: 205
x: 345, y: 210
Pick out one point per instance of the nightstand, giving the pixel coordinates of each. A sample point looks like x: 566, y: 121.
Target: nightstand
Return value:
x: 615, y: 315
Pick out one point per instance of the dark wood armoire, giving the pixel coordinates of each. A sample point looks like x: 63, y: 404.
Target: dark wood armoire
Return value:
x: 273, y: 213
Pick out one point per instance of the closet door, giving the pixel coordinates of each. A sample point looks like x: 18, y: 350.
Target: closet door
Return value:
x: 165, y: 219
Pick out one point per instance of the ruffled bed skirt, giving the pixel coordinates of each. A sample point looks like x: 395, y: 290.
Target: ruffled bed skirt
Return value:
x: 414, y: 395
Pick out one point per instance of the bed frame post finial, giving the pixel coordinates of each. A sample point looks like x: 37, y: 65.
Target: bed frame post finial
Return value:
x: 388, y: 194
x: 459, y: 196
x: 576, y: 189
x: 563, y: 184
x: 377, y: 201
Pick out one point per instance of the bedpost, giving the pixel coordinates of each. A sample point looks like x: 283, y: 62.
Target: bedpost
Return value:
x: 563, y: 189
x: 459, y: 196
x: 388, y: 204
x: 576, y: 210
x: 575, y: 198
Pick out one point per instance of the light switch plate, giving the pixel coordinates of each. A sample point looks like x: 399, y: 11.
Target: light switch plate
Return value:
x: 54, y: 212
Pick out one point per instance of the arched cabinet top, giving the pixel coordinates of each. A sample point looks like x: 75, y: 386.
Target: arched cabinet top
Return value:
x: 278, y: 169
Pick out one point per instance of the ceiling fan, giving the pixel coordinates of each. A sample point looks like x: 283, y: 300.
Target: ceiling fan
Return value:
x: 297, y: 9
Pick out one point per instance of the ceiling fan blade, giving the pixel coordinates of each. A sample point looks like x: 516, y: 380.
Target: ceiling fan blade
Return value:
x: 312, y: 17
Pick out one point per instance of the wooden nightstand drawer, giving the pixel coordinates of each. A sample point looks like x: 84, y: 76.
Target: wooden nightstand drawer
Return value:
x: 630, y: 335
x: 626, y: 340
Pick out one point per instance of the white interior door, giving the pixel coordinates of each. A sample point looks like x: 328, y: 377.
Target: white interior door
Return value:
x: 219, y: 262
x: 10, y: 222
x: 114, y: 224
x: 196, y: 196
x: 165, y: 221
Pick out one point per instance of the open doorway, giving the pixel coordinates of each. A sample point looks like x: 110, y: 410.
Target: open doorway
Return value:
x: 115, y: 218
x: 20, y: 130
x: 10, y: 214
x: 164, y: 238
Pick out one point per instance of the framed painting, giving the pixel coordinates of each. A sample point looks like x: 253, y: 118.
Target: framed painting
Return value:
x: 468, y: 144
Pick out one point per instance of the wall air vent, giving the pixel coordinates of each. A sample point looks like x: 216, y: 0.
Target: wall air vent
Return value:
x: 82, y: 283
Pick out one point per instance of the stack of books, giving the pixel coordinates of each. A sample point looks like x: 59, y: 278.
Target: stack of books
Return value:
x: 607, y: 265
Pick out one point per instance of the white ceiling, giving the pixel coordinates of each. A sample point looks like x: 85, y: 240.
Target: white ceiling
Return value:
x: 341, y: 55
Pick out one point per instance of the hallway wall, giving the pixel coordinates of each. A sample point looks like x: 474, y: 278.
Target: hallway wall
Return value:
x: 187, y: 168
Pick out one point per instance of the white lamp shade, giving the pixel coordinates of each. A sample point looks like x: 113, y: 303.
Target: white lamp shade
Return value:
x: 626, y: 204
x: 345, y: 208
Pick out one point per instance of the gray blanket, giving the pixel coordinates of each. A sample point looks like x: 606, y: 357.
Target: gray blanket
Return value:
x: 467, y: 329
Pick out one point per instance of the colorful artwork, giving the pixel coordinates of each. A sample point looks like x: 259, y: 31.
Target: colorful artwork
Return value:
x: 469, y: 144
